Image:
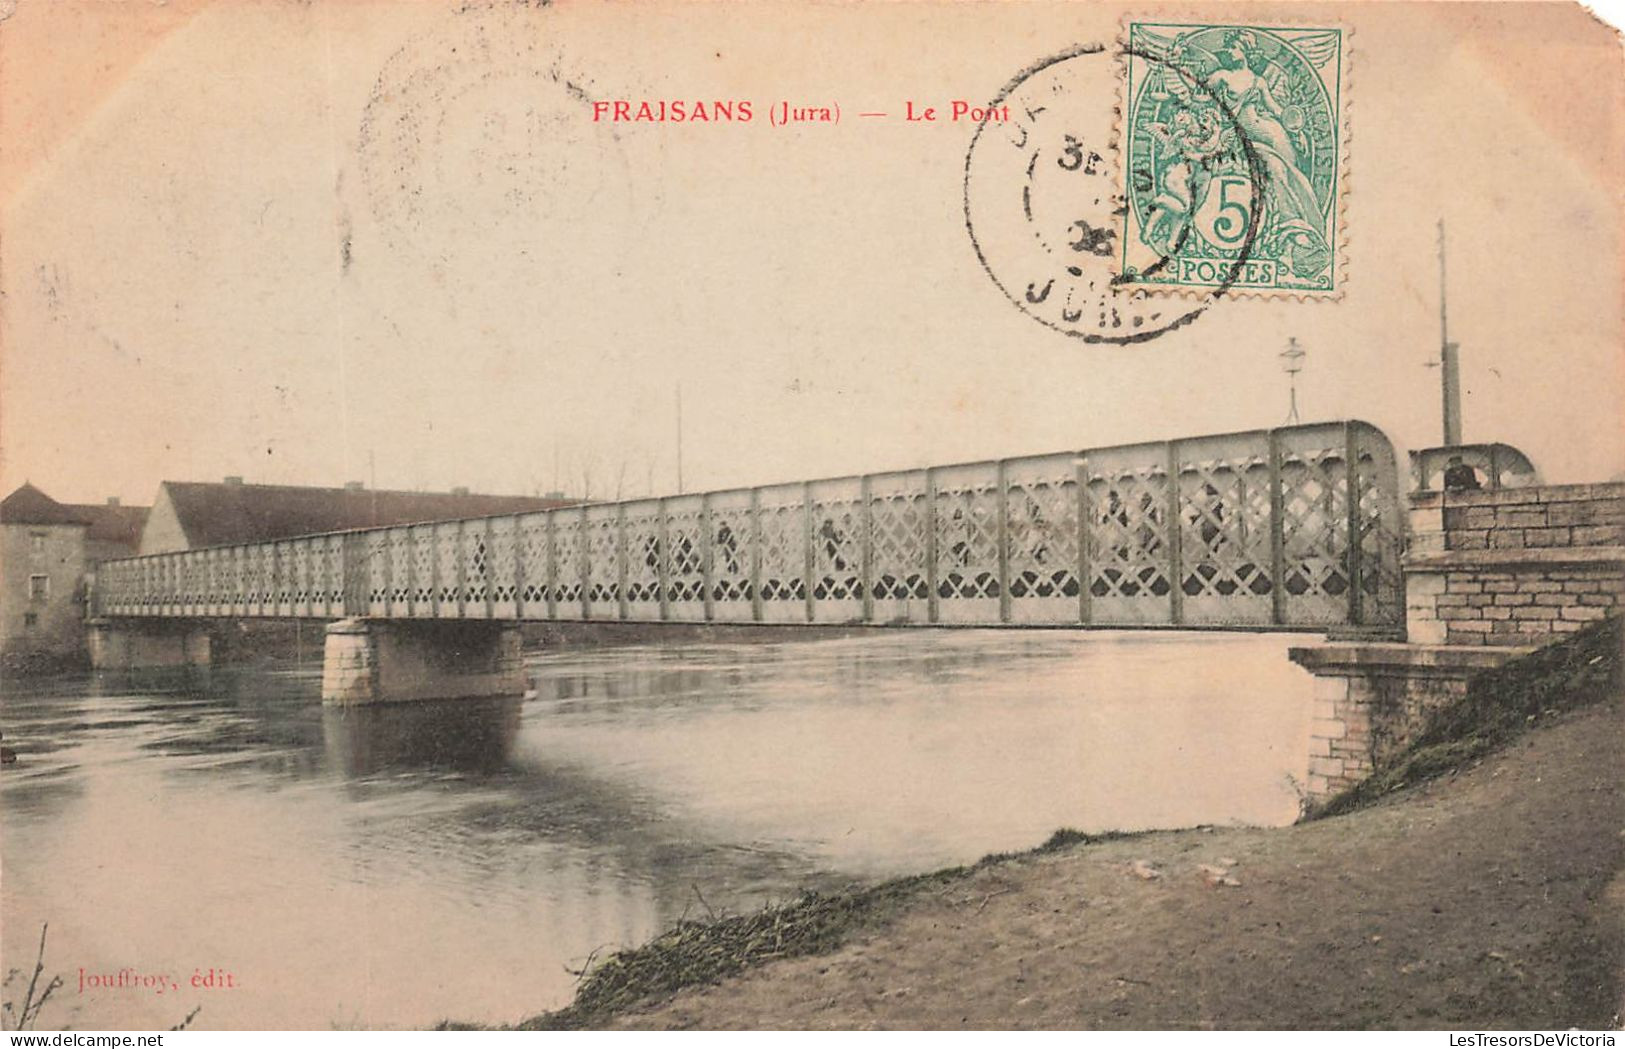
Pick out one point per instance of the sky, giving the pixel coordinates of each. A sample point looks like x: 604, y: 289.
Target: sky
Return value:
x: 385, y: 241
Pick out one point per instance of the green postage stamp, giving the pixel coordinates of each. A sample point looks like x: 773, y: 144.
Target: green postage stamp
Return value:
x: 1233, y: 153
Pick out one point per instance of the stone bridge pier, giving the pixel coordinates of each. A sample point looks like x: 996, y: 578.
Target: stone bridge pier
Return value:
x: 148, y: 644
x: 387, y: 661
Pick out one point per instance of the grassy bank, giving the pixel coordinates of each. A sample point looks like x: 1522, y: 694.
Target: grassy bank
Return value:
x: 701, y: 952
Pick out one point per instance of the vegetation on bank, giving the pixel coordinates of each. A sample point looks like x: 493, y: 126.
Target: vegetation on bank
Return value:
x: 701, y: 952
x: 1582, y: 670
x: 1579, y: 671
x: 22, y: 1016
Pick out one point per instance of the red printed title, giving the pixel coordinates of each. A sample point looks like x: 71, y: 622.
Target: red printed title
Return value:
x: 784, y: 113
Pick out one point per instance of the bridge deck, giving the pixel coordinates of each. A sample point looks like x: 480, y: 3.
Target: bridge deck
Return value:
x: 1294, y: 527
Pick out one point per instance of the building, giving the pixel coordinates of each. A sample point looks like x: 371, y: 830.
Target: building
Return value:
x: 190, y: 515
x: 48, y: 552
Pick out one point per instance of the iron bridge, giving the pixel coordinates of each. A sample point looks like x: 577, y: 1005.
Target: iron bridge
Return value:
x: 1296, y: 528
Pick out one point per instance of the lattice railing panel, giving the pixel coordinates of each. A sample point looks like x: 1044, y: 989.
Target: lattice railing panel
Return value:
x: 330, y: 575
x: 199, y: 583
x: 1315, y: 529
x: 185, y: 574
x: 397, y: 557
x: 535, y: 562
x: 265, y: 586
x: 1382, y: 528
x: 1041, y: 539
x: 421, y: 584
x: 152, y: 587
x: 603, y: 552
x: 1225, y: 561
x: 211, y: 587
x: 569, y: 552
x: 731, y: 527
x: 176, y: 584
x: 782, y: 522
x: 899, y: 526
x: 232, y: 580
x: 376, y: 572
x: 966, y: 510
x: 685, y: 557
x: 301, y: 586
x: 1130, y: 558
x: 504, y: 567
x: 156, y: 586
x: 217, y: 593
x: 474, y: 552
x: 232, y: 573
x: 166, y: 588
x: 277, y: 602
x: 644, y: 554
x: 281, y: 575
x: 839, y: 536
x: 447, y: 588
x: 173, y: 586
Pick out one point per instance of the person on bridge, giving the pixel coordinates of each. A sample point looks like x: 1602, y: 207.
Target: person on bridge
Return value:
x: 1459, y: 477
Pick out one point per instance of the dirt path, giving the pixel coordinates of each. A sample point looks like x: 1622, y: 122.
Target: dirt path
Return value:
x: 1491, y: 899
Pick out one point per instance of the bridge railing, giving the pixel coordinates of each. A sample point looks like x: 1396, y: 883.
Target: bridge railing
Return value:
x: 1487, y: 466
x: 1295, y: 527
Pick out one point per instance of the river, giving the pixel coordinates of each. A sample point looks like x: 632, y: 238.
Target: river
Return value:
x: 284, y: 865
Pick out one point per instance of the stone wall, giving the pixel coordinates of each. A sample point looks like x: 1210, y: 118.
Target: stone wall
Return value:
x: 1370, y: 700
x: 1566, y: 515
x: 1516, y: 566
x: 41, y: 598
x: 1520, y: 604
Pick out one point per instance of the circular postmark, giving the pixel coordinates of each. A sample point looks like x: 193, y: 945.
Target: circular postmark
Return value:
x: 475, y: 131
x: 1045, y: 207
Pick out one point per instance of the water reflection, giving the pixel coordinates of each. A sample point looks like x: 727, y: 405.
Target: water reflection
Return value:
x: 466, y: 735
x: 396, y: 865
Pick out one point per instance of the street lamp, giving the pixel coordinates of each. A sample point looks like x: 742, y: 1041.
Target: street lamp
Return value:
x: 1292, y: 363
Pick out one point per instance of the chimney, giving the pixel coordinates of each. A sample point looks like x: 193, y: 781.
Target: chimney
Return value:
x: 354, y: 486
x: 112, y: 500
x: 555, y: 495
x: 461, y: 489
x: 234, y: 479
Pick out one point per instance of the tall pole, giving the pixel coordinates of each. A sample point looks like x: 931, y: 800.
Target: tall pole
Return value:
x: 679, y: 438
x: 1449, y: 362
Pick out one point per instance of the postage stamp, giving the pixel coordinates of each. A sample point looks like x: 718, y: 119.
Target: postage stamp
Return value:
x: 1233, y: 143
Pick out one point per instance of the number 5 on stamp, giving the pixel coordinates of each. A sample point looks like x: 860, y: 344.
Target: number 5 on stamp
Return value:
x: 1233, y: 151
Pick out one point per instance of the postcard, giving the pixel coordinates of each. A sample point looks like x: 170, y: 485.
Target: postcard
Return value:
x: 810, y: 515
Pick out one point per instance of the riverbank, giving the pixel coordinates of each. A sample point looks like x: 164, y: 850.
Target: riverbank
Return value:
x: 1489, y: 897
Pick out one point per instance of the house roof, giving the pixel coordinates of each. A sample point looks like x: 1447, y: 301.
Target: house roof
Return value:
x: 214, y: 514
x: 29, y: 505
x: 113, y: 523
x: 104, y: 522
